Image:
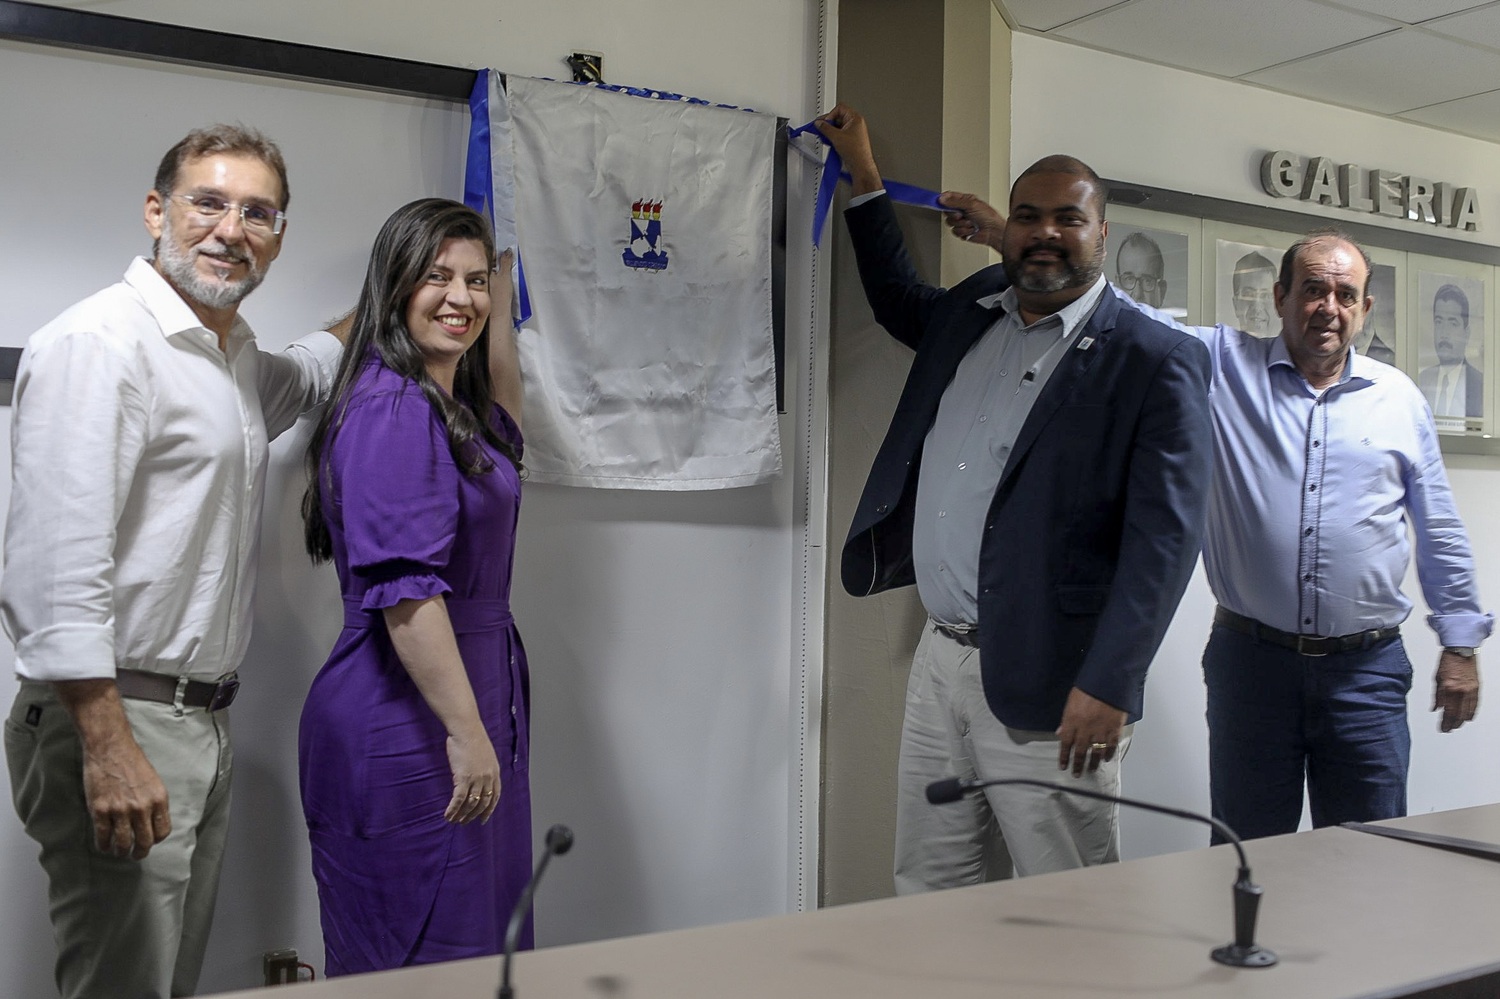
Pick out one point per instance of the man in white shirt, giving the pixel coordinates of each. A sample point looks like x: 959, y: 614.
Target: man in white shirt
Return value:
x: 1453, y: 386
x: 141, y: 421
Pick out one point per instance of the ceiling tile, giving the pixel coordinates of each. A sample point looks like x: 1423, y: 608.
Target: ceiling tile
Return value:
x: 1044, y: 15
x: 1222, y: 37
x: 1478, y: 116
x: 1411, y: 11
x: 1396, y: 72
x: 1481, y: 26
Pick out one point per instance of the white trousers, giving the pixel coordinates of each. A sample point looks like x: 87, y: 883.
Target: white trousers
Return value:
x: 950, y: 731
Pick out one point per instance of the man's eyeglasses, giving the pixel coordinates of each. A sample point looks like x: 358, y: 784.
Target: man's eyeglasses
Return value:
x: 1138, y: 282
x: 207, y: 209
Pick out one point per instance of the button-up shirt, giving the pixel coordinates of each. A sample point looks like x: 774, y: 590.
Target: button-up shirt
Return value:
x: 1313, y: 491
x: 977, y: 423
x: 138, y: 469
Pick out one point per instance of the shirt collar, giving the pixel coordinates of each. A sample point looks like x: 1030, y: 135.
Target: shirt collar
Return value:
x: 1071, y: 315
x: 172, y: 314
x: 1367, y: 374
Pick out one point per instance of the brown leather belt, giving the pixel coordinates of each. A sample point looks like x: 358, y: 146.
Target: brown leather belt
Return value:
x: 1307, y: 645
x: 159, y: 687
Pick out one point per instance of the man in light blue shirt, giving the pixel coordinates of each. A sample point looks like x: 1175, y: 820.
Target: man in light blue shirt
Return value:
x: 1322, y: 457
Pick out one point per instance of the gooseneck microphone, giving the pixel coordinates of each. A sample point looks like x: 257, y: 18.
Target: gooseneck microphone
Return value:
x: 1244, y: 952
x: 559, y: 840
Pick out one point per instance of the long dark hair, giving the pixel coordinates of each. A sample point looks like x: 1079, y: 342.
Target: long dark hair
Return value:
x: 404, y: 250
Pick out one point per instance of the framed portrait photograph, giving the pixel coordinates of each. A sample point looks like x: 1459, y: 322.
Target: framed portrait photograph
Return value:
x: 1246, y: 264
x: 1383, y: 335
x: 1149, y: 256
x: 1450, y: 323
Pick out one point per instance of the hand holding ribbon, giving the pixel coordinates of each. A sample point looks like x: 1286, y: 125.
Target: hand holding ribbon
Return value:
x: 843, y: 126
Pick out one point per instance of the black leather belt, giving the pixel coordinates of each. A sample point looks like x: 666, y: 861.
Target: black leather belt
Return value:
x: 965, y: 635
x: 159, y: 687
x: 1307, y: 645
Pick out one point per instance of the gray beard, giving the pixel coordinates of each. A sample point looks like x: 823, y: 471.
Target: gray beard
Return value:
x: 177, y: 265
x: 1070, y: 276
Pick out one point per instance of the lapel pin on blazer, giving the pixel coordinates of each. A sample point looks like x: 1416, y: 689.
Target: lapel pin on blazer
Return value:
x: 1085, y: 343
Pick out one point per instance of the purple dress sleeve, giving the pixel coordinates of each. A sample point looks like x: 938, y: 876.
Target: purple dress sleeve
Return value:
x: 400, y: 496
x: 508, y: 431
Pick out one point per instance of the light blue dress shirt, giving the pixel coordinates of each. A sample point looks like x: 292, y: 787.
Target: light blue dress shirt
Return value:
x: 978, y: 421
x: 1313, y: 491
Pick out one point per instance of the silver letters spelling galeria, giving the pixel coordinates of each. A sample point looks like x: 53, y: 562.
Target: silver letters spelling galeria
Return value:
x: 1381, y: 192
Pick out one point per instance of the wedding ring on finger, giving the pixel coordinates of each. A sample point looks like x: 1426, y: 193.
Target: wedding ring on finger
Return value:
x: 1099, y: 747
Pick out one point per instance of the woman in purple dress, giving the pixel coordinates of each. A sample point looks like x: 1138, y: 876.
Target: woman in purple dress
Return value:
x: 413, y: 742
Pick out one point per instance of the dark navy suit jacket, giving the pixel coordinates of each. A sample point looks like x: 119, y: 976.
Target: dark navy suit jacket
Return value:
x: 1096, y: 523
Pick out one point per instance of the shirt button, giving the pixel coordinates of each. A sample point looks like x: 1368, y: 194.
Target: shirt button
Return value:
x: 963, y: 465
x: 1307, y: 578
x: 1315, y: 443
x: 1307, y: 620
x: 984, y: 419
x: 1002, y: 372
x: 512, y: 710
x: 1307, y: 533
x: 942, y: 513
x: 1312, y: 489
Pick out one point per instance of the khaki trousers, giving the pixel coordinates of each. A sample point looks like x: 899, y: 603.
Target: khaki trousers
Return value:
x: 125, y: 929
x: 950, y: 731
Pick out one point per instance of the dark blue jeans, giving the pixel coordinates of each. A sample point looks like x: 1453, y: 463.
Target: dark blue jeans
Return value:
x: 1275, y: 716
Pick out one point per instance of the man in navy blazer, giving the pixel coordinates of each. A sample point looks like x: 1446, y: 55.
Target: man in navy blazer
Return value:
x: 1043, y: 482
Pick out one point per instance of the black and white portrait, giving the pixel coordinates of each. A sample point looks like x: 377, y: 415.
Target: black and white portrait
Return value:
x: 1378, y: 337
x: 1245, y: 287
x: 1150, y: 265
x: 1450, y: 345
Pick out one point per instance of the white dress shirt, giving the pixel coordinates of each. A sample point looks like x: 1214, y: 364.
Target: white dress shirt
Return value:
x: 138, y: 470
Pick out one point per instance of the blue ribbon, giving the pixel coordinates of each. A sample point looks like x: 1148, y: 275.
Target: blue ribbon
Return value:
x: 833, y: 172
x: 477, y: 168
x: 660, y: 95
x: 479, y: 176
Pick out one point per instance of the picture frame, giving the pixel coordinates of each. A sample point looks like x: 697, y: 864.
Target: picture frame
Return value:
x: 1384, y: 335
x: 1451, y: 349
x: 1156, y: 245
x: 1245, y: 264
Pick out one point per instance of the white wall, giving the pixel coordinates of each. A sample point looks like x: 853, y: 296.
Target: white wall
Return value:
x: 1149, y: 124
x: 663, y: 629
x: 1143, y: 123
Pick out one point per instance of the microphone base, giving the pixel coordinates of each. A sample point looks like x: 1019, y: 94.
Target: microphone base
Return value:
x: 1253, y: 956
